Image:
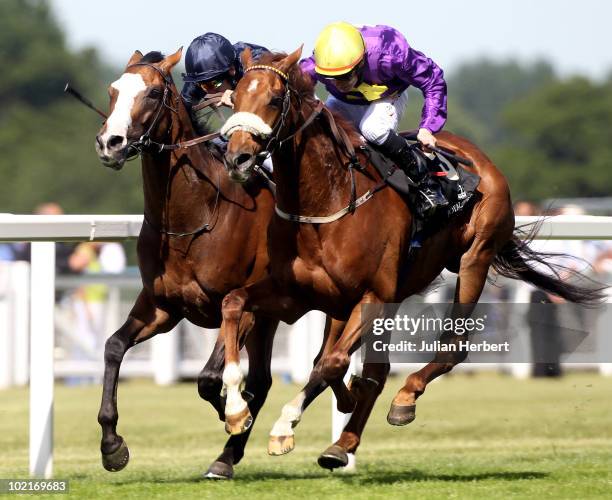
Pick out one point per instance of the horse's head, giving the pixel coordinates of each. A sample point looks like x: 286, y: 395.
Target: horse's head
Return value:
x: 140, y: 101
x: 262, y: 102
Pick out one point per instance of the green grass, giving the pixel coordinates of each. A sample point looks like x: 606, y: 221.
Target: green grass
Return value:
x: 481, y: 436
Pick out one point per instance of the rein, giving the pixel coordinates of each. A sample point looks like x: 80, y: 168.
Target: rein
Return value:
x: 275, y: 142
x: 146, y: 142
x: 204, y: 227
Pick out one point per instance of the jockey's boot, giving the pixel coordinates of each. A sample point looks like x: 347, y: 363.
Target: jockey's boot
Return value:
x: 430, y: 192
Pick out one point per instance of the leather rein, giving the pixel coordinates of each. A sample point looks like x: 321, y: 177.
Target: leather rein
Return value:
x: 145, y: 142
x: 341, y: 138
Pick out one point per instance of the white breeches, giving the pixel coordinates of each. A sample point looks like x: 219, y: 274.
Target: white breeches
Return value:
x: 374, y: 120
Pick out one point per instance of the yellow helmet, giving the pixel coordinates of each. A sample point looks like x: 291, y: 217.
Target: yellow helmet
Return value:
x: 338, y: 49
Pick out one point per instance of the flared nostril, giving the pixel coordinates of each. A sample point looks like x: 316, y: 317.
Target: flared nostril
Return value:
x: 242, y: 158
x: 114, y: 141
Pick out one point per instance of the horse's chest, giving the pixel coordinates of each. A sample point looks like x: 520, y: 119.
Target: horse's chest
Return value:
x: 183, y: 292
x: 313, y: 278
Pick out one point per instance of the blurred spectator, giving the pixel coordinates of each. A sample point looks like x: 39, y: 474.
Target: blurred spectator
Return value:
x: 6, y: 252
x: 525, y: 208
x: 21, y: 250
x: 62, y: 249
x: 548, y: 323
x: 89, y: 301
x: 544, y: 334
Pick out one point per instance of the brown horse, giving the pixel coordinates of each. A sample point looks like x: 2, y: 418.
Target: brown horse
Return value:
x: 203, y: 236
x: 362, y: 256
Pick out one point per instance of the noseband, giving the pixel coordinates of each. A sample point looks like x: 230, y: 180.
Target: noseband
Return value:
x: 145, y: 142
x: 236, y: 123
x: 239, y: 121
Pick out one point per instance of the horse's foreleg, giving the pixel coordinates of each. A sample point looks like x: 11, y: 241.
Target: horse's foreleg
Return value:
x: 282, y: 439
x: 258, y: 382
x: 209, y: 379
x: 471, y: 279
x: 264, y: 298
x: 145, y: 321
x: 210, y: 382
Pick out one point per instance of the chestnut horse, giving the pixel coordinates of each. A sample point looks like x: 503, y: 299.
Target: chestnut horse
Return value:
x: 203, y: 236
x: 326, y: 254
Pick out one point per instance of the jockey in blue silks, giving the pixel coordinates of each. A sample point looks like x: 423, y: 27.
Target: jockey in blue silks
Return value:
x: 212, y: 65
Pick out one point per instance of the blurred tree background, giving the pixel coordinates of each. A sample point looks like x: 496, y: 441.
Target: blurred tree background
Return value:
x: 549, y: 135
x: 46, y: 137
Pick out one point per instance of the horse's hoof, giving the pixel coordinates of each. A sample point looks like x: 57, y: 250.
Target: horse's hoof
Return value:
x: 280, y: 445
x: 118, y: 459
x: 333, y: 458
x: 238, y: 423
x: 401, y: 415
x: 219, y: 470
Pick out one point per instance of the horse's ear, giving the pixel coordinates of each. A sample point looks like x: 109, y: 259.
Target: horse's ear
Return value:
x: 246, y: 58
x: 136, y: 56
x: 169, y: 62
x: 291, y: 59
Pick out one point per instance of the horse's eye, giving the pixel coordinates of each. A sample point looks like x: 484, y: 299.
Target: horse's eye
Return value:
x: 276, y: 101
x: 154, y: 94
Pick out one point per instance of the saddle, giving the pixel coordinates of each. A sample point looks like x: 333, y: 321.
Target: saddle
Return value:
x: 458, y: 184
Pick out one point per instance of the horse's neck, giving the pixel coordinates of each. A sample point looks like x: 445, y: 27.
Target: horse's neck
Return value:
x: 175, y: 181
x: 312, y: 178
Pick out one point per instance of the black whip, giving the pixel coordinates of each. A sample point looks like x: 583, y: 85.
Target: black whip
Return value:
x: 77, y: 95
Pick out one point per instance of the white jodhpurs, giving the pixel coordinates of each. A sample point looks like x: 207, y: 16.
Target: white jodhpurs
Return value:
x: 374, y: 120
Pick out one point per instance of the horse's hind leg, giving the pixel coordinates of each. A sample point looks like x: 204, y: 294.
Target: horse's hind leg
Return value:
x: 258, y: 382
x: 282, y: 439
x: 366, y: 389
x: 473, y: 270
x: 145, y: 321
x: 336, y: 362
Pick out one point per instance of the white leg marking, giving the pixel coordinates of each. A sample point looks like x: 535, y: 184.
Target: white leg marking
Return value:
x: 232, y: 379
x: 290, y: 416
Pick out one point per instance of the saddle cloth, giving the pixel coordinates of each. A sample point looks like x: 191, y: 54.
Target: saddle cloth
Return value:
x: 458, y: 184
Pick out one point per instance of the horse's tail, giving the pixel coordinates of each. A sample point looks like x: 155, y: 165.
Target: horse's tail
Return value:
x: 518, y: 261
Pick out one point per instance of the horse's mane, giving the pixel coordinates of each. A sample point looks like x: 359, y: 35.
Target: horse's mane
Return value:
x: 303, y: 84
x: 154, y: 56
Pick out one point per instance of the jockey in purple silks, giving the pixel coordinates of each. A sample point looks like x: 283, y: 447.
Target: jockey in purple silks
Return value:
x: 367, y: 71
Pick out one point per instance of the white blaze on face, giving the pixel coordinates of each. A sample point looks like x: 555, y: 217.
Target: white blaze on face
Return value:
x: 253, y: 86
x: 118, y: 123
x: 246, y: 121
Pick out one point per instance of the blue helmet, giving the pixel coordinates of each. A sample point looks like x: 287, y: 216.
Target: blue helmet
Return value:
x: 208, y: 56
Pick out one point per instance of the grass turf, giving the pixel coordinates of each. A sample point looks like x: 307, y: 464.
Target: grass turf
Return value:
x: 479, y: 436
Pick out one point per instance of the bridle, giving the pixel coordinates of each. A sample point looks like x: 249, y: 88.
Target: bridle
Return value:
x: 145, y: 143
x: 273, y: 137
x: 274, y: 142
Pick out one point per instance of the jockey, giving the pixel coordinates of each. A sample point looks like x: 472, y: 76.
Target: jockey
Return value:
x: 367, y: 71
x: 212, y: 65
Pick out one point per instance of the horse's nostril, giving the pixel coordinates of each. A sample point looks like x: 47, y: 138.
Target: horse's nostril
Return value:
x: 242, y: 158
x: 114, y: 141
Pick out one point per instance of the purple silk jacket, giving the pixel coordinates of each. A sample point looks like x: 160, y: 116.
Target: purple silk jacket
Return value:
x: 391, y: 66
